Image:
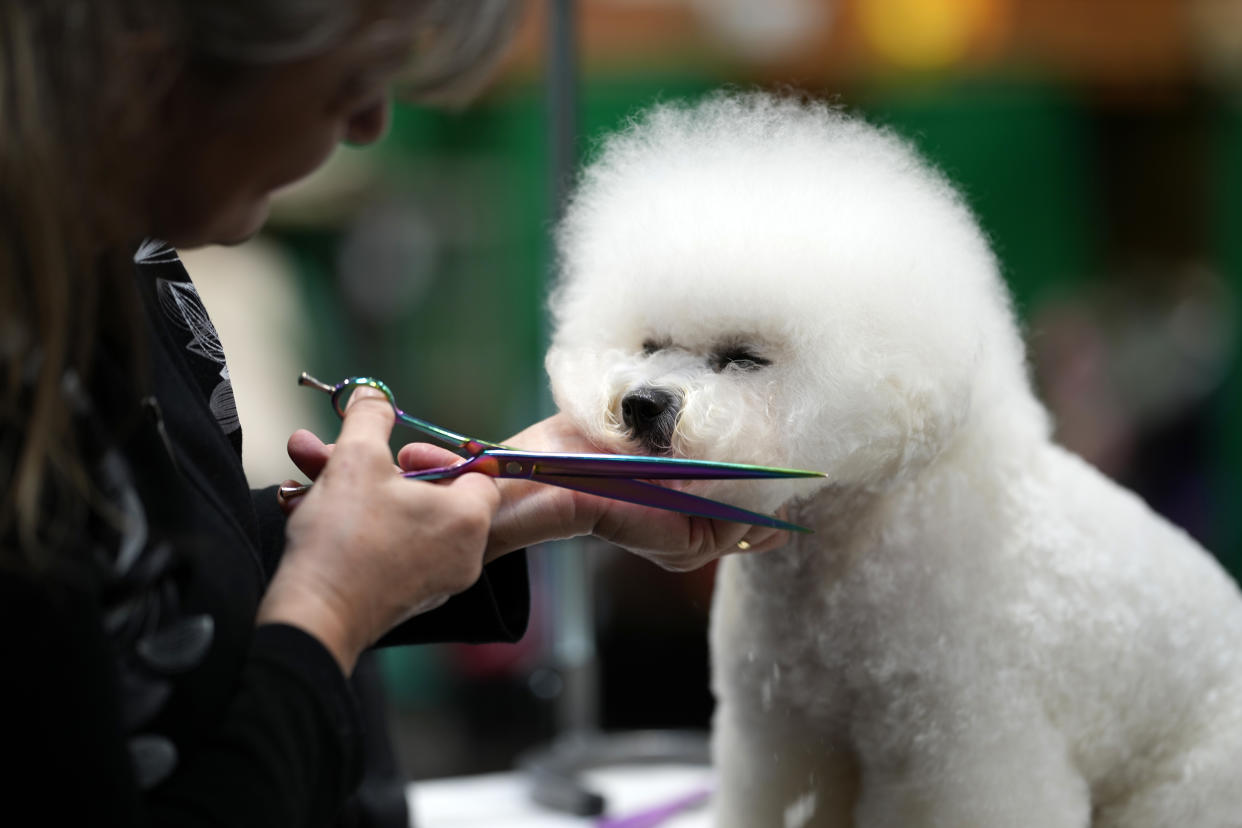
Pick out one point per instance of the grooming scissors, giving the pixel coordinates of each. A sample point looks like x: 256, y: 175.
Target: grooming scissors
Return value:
x: 614, y: 476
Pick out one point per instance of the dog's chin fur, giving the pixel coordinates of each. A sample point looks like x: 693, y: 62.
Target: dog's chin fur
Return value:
x: 982, y: 631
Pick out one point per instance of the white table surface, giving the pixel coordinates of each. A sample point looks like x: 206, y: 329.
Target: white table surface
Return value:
x: 503, y: 799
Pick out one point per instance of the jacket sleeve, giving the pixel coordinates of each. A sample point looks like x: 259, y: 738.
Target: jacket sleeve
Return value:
x: 495, y: 609
x: 284, y: 753
x: 289, y: 752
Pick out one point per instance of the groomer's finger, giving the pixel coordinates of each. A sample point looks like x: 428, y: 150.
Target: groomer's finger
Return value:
x: 308, y: 452
x: 417, y: 456
x: 368, y: 417
x: 761, y: 542
x: 477, y: 487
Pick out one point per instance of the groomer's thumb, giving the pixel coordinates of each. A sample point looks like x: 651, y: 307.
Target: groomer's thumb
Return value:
x: 368, y: 415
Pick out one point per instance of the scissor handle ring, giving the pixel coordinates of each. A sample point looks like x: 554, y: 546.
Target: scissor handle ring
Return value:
x: 340, y: 399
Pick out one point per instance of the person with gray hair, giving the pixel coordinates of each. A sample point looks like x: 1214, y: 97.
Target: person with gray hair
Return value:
x: 177, y: 646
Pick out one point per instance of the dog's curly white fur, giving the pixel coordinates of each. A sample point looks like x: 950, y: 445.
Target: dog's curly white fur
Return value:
x: 983, y: 630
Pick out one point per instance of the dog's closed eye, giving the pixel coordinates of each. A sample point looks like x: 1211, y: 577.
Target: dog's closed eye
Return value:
x: 739, y: 357
x: 651, y: 346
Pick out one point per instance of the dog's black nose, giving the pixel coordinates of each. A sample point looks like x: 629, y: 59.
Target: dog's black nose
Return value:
x: 642, y: 408
x: 651, y: 415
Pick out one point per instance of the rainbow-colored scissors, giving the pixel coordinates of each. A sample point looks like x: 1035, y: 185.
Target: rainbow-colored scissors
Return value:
x: 614, y: 476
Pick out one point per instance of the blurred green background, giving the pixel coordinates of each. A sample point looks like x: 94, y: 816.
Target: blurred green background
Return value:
x: 1099, y: 143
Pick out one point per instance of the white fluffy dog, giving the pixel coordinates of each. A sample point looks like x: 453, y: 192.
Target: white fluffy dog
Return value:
x: 982, y: 630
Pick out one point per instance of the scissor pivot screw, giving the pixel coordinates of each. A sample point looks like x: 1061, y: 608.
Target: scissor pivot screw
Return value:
x: 513, y: 467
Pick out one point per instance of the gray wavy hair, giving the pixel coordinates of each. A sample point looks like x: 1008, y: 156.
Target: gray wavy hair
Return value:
x: 457, y: 41
x: 67, y: 100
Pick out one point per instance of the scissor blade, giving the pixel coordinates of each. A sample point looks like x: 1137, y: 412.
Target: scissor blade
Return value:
x: 659, y: 497
x: 637, y: 466
x: 617, y: 488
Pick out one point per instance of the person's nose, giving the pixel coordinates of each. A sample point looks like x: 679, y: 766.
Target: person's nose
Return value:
x: 368, y: 125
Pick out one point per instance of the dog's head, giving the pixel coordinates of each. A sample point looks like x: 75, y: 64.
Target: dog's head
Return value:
x: 760, y: 280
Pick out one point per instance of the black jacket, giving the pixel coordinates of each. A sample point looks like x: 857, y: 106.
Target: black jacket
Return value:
x: 137, y: 688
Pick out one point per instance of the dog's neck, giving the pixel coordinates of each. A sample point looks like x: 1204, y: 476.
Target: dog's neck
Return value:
x: 835, y: 514
x: 971, y: 475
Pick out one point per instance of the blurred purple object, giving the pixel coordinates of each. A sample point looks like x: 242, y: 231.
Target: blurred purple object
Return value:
x: 657, y: 815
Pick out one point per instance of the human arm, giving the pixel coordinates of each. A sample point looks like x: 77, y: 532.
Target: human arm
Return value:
x: 531, y: 513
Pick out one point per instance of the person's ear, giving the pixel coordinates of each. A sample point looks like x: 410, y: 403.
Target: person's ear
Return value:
x: 369, y: 124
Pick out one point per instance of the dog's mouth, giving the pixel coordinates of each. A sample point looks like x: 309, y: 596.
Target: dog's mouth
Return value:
x: 650, y: 415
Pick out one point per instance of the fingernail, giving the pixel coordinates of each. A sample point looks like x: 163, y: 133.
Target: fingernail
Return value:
x: 362, y: 392
x: 290, y: 491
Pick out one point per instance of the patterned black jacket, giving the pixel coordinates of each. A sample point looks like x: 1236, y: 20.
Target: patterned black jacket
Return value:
x: 137, y: 689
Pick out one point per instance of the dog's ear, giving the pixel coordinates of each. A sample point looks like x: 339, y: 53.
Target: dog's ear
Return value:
x: 929, y: 413
x: 886, y: 417
x: 926, y: 399
x: 908, y: 428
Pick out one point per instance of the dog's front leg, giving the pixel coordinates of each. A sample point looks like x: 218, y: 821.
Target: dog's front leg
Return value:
x: 986, y: 768
x: 774, y: 771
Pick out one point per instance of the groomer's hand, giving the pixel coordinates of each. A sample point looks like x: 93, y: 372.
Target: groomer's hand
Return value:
x: 534, y: 512
x: 365, y: 548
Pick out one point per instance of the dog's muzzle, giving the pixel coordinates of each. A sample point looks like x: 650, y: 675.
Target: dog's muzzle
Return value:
x: 650, y: 414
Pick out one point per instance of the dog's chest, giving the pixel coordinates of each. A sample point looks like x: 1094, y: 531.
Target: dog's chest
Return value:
x: 781, y: 635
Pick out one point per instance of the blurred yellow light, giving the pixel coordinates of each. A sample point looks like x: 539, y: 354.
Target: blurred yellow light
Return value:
x: 926, y: 34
